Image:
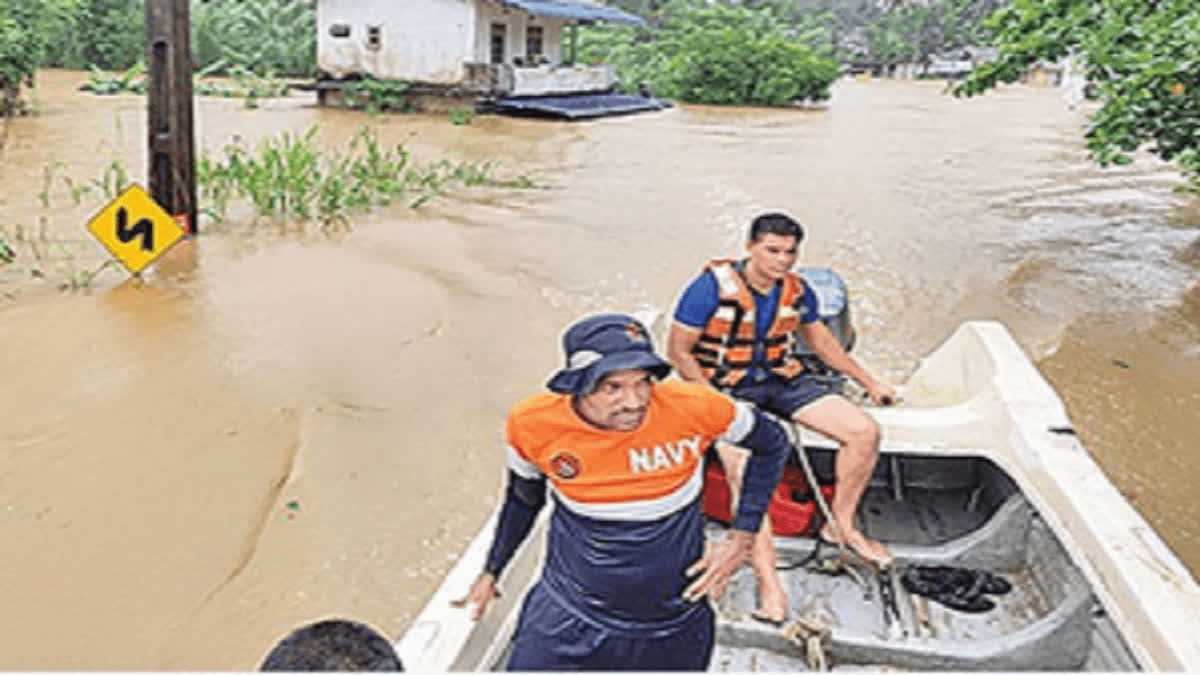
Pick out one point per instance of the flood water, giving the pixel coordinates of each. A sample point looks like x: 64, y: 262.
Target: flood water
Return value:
x: 284, y: 424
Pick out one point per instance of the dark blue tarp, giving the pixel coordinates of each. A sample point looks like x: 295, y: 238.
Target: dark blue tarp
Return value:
x: 564, y: 9
x: 582, y: 105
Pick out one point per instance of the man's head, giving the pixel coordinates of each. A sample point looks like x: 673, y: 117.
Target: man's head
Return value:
x: 330, y: 645
x: 773, y: 244
x: 610, y: 370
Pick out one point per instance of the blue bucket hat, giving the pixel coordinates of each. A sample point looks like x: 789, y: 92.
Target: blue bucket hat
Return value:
x: 601, y: 344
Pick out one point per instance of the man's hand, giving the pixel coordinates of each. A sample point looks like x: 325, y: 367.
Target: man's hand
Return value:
x: 481, y: 593
x: 719, y: 562
x: 881, y: 394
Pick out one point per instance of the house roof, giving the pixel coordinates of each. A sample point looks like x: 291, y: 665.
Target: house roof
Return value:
x: 577, y: 106
x: 567, y: 9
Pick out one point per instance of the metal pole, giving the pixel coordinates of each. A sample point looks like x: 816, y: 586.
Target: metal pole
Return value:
x: 172, y: 144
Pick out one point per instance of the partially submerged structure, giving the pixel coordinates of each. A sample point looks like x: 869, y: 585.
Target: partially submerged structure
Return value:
x: 455, y: 52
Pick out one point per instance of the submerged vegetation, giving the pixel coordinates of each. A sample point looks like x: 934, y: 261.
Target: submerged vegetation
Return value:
x: 241, y: 83
x: 288, y: 178
x: 375, y: 96
x: 716, y: 54
x: 460, y: 116
x: 7, y: 254
x: 106, y: 83
x: 774, y: 52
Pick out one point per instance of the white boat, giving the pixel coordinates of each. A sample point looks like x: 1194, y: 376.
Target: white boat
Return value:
x: 980, y: 468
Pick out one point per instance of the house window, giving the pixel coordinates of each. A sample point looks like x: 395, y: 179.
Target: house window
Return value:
x: 499, y: 32
x: 340, y: 30
x: 374, y: 37
x: 533, y: 44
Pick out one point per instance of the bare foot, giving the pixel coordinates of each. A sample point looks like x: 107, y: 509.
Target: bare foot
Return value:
x: 773, y: 605
x: 867, y: 549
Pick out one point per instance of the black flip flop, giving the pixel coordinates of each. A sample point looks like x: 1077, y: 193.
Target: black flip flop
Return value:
x: 969, y: 603
x: 994, y: 584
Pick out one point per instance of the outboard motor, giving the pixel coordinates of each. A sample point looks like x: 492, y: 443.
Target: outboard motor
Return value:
x: 833, y: 304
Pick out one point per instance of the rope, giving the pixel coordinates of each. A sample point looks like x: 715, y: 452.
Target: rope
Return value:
x: 816, y: 490
x: 813, y: 637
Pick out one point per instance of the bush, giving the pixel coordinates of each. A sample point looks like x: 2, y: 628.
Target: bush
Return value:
x: 731, y: 65
x: 262, y: 35
x: 24, y: 25
x: 717, y: 54
x: 375, y: 96
x: 111, y: 33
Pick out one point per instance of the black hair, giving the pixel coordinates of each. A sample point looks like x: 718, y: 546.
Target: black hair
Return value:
x: 776, y: 223
x: 335, y: 644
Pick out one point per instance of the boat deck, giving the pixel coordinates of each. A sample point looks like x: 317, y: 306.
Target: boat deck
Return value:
x: 975, y: 518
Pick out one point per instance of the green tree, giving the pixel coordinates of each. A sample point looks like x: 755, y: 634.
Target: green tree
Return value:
x: 23, y: 46
x: 112, y: 33
x: 277, y: 36
x: 719, y: 54
x: 1141, y: 56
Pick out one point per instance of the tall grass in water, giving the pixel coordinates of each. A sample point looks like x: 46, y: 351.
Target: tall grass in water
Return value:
x: 289, y: 178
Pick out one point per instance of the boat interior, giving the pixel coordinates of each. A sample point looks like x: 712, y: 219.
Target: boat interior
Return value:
x: 931, y: 511
x: 980, y: 471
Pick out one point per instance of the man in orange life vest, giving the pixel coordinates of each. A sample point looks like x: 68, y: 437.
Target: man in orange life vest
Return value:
x: 734, y: 328
x: 623, y: 457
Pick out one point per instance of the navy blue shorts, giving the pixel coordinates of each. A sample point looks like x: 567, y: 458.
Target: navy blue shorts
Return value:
x: 550, y: 636
x: 779, y: 396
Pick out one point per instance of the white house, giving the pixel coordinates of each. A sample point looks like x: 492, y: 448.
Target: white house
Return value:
x: 496, y: 48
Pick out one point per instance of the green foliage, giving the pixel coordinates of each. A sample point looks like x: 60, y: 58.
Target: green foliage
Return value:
x: 719, y: 54
x: 1142, y: 56
x: 111, y: 34
x: 731, y: 65
x: 375, y: 96
x: 856, y: 31
x: 914, y: 33
x: 246, y: 83
x: 101, y: 82
x: 23, y: 46
x: 265, y: 36
x: 112, y: 181
x: 7, y: 254
x: 288, y: 177
x: 460, y: 116
x: 262, y: 35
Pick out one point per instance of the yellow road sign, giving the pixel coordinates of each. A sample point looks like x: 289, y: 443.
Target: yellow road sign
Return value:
x: 135, y: 229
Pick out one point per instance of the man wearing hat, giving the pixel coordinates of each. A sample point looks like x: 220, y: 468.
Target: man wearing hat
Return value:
x: 627, y: 573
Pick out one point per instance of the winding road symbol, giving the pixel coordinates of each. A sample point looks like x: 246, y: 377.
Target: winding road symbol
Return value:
x: 143, y: 229
x: 152, y: 232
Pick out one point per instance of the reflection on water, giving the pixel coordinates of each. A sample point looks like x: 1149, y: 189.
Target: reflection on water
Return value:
x: 285, y: 423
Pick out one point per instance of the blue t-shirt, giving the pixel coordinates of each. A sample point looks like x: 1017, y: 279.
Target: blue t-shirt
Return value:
x: 701, y: 299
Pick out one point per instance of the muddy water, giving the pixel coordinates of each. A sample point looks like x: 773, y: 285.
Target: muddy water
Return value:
x: 284, y: 424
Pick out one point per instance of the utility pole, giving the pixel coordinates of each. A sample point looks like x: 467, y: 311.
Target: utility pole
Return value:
x: 172, y: 144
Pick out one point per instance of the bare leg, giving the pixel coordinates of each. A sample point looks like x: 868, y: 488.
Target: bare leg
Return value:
x: 773, y: 602
x: 858, y: 434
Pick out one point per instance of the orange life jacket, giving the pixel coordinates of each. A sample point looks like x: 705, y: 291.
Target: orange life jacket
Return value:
x: 725, y: 348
